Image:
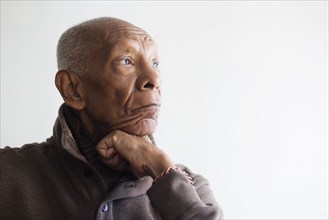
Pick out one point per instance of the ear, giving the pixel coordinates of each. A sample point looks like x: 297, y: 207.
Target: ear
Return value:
x: 70, y: 87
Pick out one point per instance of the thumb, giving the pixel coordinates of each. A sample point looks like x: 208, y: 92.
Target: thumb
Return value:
x: 106, y: 146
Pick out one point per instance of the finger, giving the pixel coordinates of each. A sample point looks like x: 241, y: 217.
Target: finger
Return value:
x: 105, y: 144
x: 124, y: 165
x: 117, y: 163
x: 106, y: 153
x: 127, y: 145
x: 112, y: 161
x: 111, y: 153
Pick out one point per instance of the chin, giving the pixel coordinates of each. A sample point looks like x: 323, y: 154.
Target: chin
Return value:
x: 143, y: 127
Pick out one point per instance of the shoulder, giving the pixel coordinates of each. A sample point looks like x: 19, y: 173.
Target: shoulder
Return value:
x: 26, y: 152
x: 15, y: 162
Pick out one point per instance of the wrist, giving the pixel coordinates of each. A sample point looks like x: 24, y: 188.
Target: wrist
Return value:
x: 177, y: 170
x: 161, y: 164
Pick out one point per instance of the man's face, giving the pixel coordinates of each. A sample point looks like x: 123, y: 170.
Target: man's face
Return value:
x: 126, y: 95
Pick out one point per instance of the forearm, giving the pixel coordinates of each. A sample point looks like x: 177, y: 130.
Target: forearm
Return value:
x: 175, y: 198
x: 172, y: 193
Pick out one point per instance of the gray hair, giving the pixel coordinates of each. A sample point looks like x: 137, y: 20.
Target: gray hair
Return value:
x: 77, y: 47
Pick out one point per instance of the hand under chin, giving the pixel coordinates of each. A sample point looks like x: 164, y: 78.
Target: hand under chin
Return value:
x: 143, y: 127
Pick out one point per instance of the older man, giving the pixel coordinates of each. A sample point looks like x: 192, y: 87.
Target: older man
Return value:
x: 102, y: 162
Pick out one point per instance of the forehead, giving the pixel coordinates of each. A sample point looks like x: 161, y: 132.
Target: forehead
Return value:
x: 113, y: 34
x: 130, y: 41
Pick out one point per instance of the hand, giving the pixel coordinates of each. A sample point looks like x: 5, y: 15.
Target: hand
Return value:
x: 122, y: 151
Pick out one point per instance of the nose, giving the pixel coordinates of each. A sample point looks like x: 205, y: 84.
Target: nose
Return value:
x: 149, y: 79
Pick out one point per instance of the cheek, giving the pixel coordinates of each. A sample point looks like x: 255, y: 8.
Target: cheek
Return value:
x: 105, y: 105
x: 108, y: 95
x: 109, y: 101
x: 122, y: 91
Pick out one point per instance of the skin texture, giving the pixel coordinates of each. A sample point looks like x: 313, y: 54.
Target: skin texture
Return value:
x: 118, y: 101
x: 116, y: 151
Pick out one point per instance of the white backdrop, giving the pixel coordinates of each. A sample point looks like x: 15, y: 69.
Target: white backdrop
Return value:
x: 245, y: 89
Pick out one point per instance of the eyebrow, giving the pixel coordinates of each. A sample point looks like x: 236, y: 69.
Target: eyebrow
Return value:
x: 126, y: 46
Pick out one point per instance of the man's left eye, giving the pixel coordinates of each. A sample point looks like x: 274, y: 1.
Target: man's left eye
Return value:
x: 155, y: 64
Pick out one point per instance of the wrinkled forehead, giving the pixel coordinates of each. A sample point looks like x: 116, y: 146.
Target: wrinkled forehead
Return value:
x: 118, y: 35
x: 111, y: 38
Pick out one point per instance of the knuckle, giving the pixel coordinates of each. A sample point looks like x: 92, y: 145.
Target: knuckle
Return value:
x: 115, y: 135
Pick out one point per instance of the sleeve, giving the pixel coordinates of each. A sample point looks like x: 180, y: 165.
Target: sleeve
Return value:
x: 175, y: 198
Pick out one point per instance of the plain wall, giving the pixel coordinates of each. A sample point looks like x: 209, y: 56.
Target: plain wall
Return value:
x: 245, y: 92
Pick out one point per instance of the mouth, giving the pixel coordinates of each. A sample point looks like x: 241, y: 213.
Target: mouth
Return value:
x: 139, y: 121
x: 150, y: 107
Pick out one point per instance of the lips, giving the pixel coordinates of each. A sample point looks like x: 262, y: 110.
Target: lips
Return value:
x: 149, y: 107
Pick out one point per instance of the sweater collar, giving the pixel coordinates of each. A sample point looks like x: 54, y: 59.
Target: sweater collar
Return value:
x: 87, y: 146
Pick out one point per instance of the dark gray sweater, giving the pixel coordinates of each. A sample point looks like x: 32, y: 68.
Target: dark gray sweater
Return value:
x: 53, y: 180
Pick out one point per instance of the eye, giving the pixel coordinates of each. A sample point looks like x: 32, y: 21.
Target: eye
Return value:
x: 155, y: 64
x: 126, y: 61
